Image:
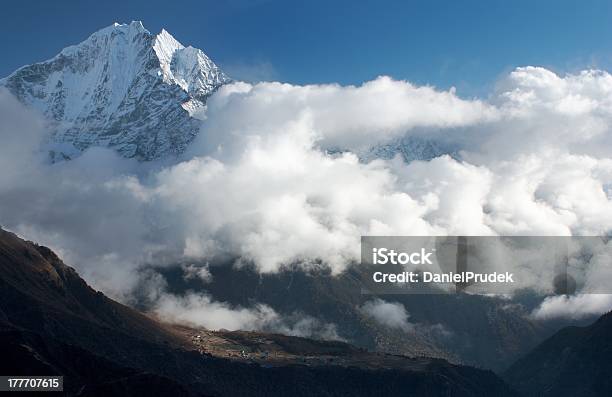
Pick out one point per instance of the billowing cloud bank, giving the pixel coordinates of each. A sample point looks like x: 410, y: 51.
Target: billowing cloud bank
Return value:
x: 276, y: 177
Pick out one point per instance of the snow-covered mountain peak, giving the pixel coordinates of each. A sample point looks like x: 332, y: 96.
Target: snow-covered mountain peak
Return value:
x: 115, y: 33
x: 165, y: 46
x: 188, y: 67
x: 122, y: 87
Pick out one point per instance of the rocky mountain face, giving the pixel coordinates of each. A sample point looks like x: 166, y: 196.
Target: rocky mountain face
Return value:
x: 53, y: 323
x: 411, y: 148
x: 123, y: 88
x: 573, y: 362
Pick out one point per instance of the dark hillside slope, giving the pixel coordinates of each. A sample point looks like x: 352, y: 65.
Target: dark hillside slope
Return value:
x: 576, y: 361
x: 52, y: 322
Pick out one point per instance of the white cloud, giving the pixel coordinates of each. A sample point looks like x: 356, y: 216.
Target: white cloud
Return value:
x: 201, y: 311
x: 201, y: 272
x: 392, y: 315
x: 346, y: 117
x: 260, y: 183
x: 573, y: 307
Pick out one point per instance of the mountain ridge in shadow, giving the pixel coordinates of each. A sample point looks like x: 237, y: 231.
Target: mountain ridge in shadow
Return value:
x: 573, y: 362
x: 52, y: 322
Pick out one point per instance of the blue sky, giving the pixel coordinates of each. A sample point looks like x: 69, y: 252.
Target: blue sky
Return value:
x: 467, y: 44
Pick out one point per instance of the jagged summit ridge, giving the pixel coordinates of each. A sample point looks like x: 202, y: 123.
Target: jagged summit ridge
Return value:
x: 123, y: 88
